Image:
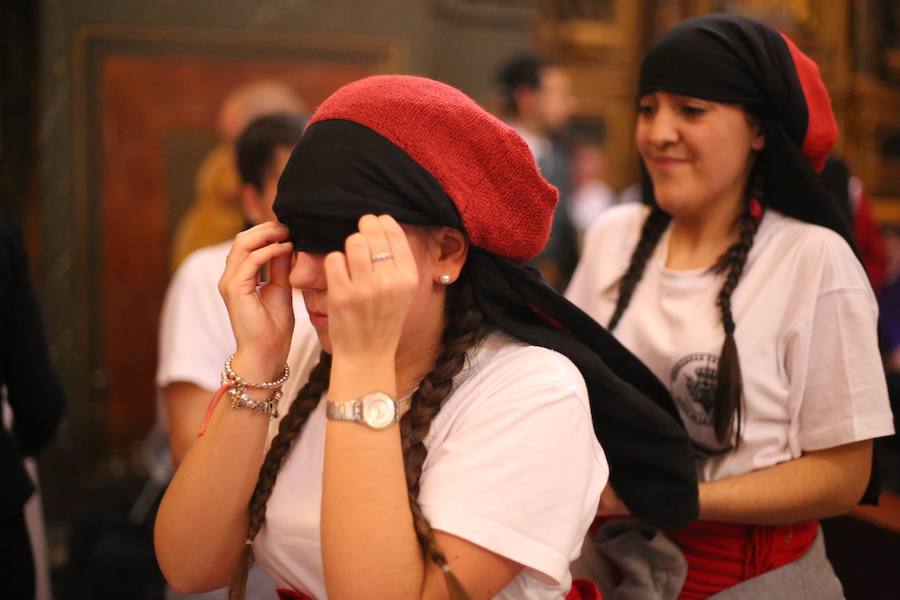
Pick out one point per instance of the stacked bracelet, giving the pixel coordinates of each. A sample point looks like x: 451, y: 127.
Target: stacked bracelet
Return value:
x: 241, y: 398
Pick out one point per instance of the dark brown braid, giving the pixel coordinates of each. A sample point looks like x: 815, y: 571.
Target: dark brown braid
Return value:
x: 465, y: 328
x: 288, y: 430
x: 652, y: 230
x: 728, y: 408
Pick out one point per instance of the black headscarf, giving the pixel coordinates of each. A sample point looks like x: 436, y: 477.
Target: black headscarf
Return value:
x: 341, y: 170
x: 733, y: 59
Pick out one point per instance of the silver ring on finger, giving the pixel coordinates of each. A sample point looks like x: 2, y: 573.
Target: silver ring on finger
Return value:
x: 379, y: 256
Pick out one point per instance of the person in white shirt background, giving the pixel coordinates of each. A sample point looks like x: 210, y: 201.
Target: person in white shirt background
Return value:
x: 195, y: 333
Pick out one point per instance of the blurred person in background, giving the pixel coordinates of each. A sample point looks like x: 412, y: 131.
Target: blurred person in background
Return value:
x: 195, y: 333
x: 591, y: 195
x: 215, y: 215
x: 31, y: 391
x: 537, y: 101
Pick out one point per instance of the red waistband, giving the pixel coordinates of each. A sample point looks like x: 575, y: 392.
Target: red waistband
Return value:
x: 721, y: 555
x: 289, y: 594
x: 582, y: 589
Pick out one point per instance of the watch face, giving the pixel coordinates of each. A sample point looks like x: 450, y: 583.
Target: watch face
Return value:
x: 378, y: 410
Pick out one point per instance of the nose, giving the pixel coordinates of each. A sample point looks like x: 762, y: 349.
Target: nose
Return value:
x: 661, y: 126
x: 308, y: 271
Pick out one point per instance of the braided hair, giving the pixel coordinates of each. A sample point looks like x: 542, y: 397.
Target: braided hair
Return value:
x: 728, y: 392
x: 466, y: 327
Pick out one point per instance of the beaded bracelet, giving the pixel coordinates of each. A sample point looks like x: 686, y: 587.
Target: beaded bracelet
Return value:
x: 241, y: 398
x: 228, y: 375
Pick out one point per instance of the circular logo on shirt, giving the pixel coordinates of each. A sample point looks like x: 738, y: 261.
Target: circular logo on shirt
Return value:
x: 693, y: 386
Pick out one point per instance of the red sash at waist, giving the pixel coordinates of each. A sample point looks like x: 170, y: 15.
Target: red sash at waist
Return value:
x: 582, y: 589
x: 721, y: 555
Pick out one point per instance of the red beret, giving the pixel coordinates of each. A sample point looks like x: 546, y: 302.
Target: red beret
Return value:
x: 821, y: 130
x: 484, y: 166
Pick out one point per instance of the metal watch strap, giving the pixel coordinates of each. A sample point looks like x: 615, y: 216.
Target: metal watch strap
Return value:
x: 344, y: 411
x: 353, y: 410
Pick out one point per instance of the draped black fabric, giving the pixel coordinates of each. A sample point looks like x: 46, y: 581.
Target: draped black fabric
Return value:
x: 733, y: 59
x: 341, y: 170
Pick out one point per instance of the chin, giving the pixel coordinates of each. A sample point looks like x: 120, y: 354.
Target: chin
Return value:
x: 324, y: 339
x: 675, y: 202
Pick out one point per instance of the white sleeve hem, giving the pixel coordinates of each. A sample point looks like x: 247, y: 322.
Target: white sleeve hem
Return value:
x: 865, y: 429
x: 540, y: 561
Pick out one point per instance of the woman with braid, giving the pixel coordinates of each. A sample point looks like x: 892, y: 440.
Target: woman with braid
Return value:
x: 737, y: 284
x: 443, y: 444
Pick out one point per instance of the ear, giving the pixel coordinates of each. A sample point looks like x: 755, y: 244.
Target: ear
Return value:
x: 448, y: 248
x: 250, y: 204
x: 759, y: 141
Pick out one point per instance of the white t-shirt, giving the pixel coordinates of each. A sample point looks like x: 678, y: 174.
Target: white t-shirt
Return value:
x: 195, y: 334
x: 513, y: 466
x: 806, y: 337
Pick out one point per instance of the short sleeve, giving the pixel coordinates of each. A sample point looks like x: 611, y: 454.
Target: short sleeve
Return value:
x: 519, y: 472
x: 195, y: 334
x: 835, y: 368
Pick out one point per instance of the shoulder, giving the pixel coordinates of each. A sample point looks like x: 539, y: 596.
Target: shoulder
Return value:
x: 818, y: 255
x: 201, y: 270
x: 207, y: 262
x: 503, y: 370
x: 617, y: 228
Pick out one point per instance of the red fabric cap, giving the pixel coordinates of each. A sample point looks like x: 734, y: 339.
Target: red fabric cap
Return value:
x: 482, y: 163
x: 821, y: 130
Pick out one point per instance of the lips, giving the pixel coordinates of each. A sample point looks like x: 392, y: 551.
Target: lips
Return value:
x: 317, y: 318
x: 667, y: 161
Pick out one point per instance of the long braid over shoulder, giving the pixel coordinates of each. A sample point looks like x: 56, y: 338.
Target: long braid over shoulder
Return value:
x: 727, y: 410
x: 288, y: 431
x: 465, y: 327
x: 651, y: 231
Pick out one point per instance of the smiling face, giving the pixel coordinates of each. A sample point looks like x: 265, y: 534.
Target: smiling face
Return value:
x: 698, y: 153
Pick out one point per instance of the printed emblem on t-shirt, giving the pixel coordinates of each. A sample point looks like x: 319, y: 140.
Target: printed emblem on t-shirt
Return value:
x: 693, y: 384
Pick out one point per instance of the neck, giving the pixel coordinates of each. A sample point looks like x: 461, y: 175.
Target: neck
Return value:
x: 530, y: 126
x: 416, y: 358
x: 697, y: 241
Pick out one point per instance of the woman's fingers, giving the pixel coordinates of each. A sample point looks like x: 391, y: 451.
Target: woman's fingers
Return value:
x: 381, y: 257
x: 242, y: 278
x: 252, y: 239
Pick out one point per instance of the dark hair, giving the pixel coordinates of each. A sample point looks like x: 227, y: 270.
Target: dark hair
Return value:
x: 523, y: 71
x: 728, y: 392
x: 466, y: 326
x: 256, y: 145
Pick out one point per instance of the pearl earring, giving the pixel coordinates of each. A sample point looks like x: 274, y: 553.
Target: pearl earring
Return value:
x: 445, y: 279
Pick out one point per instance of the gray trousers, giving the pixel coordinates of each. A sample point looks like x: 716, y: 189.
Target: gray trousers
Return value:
x: 630, y: 560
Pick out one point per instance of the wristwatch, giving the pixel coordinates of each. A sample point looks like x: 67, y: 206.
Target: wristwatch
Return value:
x: 376, y: 410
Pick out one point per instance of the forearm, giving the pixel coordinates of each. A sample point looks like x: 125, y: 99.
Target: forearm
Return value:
x: 819, y: 484
x: 202, y: 521
x: 369, y: 544
x: 185, y: 407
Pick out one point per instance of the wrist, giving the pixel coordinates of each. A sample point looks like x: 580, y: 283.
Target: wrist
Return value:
x: 352, y: 378
x: 257, y: 367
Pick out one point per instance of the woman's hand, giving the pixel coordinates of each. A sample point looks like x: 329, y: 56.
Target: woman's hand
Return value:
x: 262, y: 317
x: 370, y: 288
